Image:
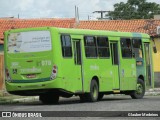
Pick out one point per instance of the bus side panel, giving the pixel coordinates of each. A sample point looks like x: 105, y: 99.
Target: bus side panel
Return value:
x: 67, y: 70
x: 106, y: 75
x: 68, y: 75
x: 57, y: 57
x: 128, y: 74
x: 65, y: 73
x: 101, y: 69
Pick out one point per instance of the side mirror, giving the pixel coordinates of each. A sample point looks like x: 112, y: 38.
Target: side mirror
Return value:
x: 154, y: 49
x: 154, y: 45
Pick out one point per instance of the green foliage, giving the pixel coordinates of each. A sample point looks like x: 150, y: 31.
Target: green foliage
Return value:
x: 134, y: 9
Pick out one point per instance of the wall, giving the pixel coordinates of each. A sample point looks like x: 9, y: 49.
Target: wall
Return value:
x: 1, y: 71
x: 156, y: 63
x: 156, y: 17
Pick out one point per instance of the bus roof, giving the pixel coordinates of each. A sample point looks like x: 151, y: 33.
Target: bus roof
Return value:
x: 86, y: 32
x: 103, y: 32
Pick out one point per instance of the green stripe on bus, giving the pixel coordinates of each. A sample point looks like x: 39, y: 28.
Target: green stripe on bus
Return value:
x: 31, y: 81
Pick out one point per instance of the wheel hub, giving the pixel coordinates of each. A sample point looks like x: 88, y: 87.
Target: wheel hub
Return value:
x: 139, y: 89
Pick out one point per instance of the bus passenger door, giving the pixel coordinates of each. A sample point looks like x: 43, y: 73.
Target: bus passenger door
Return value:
x: 148, y: 65
x: 115, y: 65
x: 78, y: 82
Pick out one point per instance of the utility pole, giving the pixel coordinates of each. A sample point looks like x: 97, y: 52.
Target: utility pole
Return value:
x: 102, y: 13
x: 88, y: 17
x: 77, y: 15
x: 76, y: 12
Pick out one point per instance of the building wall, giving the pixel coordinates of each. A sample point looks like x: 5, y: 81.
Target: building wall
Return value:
x: 156, y: 56
x: 156, y: 63
x: 1, y: 71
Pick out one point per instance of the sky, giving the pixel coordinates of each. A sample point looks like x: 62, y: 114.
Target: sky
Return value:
x: 56, y: 8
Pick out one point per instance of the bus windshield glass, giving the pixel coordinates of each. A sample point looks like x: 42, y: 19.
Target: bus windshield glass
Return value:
x: 32, y: 41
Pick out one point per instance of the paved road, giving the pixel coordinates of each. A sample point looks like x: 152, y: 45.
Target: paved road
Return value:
x: 109, y: 103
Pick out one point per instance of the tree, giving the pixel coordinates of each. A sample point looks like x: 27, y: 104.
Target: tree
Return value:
x: 134, y: 9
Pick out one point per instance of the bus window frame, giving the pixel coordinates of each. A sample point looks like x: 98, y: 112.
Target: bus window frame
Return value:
x: 96, y: 41
x: 66, y: 57
x: 84, y: 37
x: 107, y: 47
x: 131, y: 47
x: 137, y: 47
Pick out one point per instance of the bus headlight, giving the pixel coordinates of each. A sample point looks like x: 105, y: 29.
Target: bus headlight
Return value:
x: 54, y: 72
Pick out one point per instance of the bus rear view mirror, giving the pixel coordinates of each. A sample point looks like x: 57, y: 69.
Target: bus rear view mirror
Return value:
x: 154, y: 49
x: 154, y: 45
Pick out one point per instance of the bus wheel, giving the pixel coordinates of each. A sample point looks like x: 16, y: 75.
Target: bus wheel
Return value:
x: 92, y: 96
x: 100, y: 96
x: 49, y: 98
x: 140, y: 90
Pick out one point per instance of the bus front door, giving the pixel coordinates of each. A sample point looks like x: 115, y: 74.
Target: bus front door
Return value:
x: 115, y: 65
x: 78, y: 83
x: 148, y: 65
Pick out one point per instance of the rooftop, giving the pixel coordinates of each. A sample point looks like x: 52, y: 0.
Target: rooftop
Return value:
x: 148, y: 26
x: 7, y: 24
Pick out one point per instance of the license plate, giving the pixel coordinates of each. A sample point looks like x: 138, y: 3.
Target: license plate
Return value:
x: 31, y: 76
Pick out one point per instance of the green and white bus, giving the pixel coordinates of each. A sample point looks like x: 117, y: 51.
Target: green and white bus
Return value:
x: 52, y: 62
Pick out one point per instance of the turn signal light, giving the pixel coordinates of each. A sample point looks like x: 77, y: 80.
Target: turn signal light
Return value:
x: 54, y: 72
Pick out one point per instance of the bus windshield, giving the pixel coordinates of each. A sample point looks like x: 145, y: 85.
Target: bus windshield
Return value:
x: 31, y: 41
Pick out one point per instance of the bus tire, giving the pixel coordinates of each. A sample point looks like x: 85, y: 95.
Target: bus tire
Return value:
x: 49, y: 98
x: 140, y: 90
x: 100, y: 96
x: 92, y: 96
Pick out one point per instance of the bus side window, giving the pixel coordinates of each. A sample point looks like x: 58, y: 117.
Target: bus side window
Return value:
x: 126, y: 48
x: 66, y: 46
x: 137, y: 50
x: 103, y: 47
x: 90, y: 46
